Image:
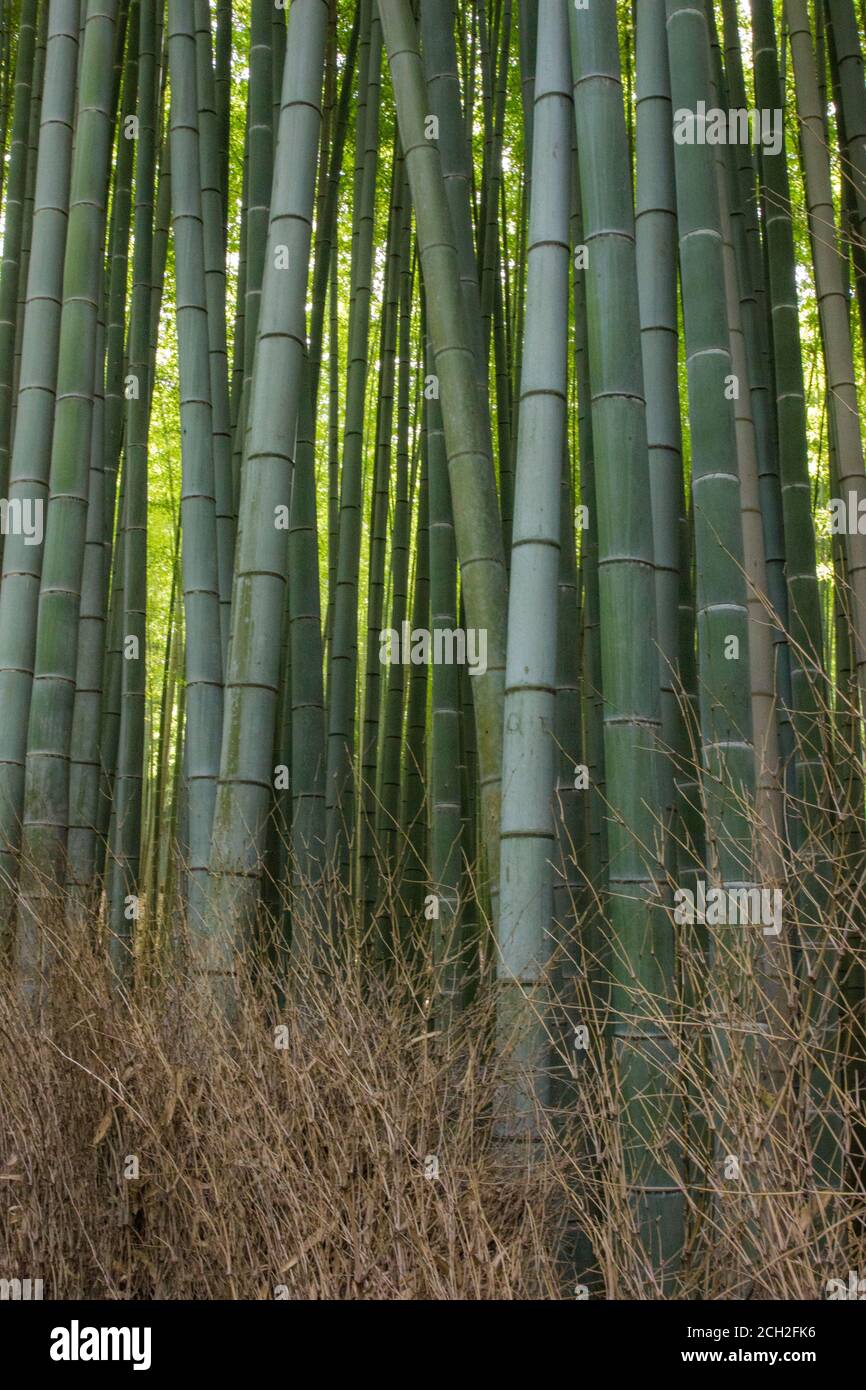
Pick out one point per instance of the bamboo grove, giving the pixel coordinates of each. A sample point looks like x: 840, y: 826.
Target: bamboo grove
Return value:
x: 433, y: 496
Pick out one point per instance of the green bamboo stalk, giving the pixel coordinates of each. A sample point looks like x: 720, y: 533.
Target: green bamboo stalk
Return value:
x: 489, y: 222
x: 46, y: 791
x: 215, y: 287
x: 528, y: 775
x: 223, y: 96
x: 470, y: 469
x: 162, y: 225
x: 726, y: 723
x: 445, y: 790
x: 846, y: 45
x: 486, y: 62
x: 333, y: 449
x: 343, y: 654
x: 31, y: 451
x: 303, y: 713
x: 161, y: 806
x: 236, y: 401
x: 392, y: 710
x: 109, y: 733
x: 754, y: 451
x: 33, y: 133
x: 849, y: 842
x: 261, y: 558
x: 413, y: 871
x: 278, y: 56
x: 118, y: 261
x: 476, y: 938
x: 84, y: 743
x: 326, y: 223
x: 204, y: 698
x: 177, y: 840
x: 821, y: 966
x: 260, y: 138
x: 569, y: 802
x: 528, y: 24
x: 307, y: 697
x: 743, y: 347
x: 743, y: 204
x: 849, y: 211
x: 830, y: 280
x: 274, y: 941
x: 643, y: 959
x: 7, y: 30
x: 125, y: 887
x: 13, y: 226
x: 596, y: 855
x: 724, y: 679
x: 114, y: 538
x: 656, y: 248
x: 368, y: 866
x: 808, y: 696
x: 443, y: 86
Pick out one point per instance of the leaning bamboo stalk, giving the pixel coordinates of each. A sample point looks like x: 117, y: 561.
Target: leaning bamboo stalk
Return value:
x: 470, y: 468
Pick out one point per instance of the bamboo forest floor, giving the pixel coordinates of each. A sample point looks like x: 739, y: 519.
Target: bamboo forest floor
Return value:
x: 348, y: 1147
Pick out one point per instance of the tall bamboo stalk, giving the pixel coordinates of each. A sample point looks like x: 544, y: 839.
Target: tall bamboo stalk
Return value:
x: 13, y: 214
x: 343, y: 649
x: 830, y: 279
x: 807, y: 677
x: 526, y: 897
x: 204, y: 694
x: 125, y: 890
x: 46, y: 789
x: 470, y: 469
x: 261, y: 558
x: 643, y: 958
x: 31, y: 454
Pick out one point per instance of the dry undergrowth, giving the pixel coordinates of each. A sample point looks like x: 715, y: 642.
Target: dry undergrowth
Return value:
x: 347, y: 1149
x: 295, y: 1163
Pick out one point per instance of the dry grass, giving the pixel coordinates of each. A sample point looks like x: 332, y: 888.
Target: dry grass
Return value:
x: 343, y: 1148
x: 271, y: 1164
